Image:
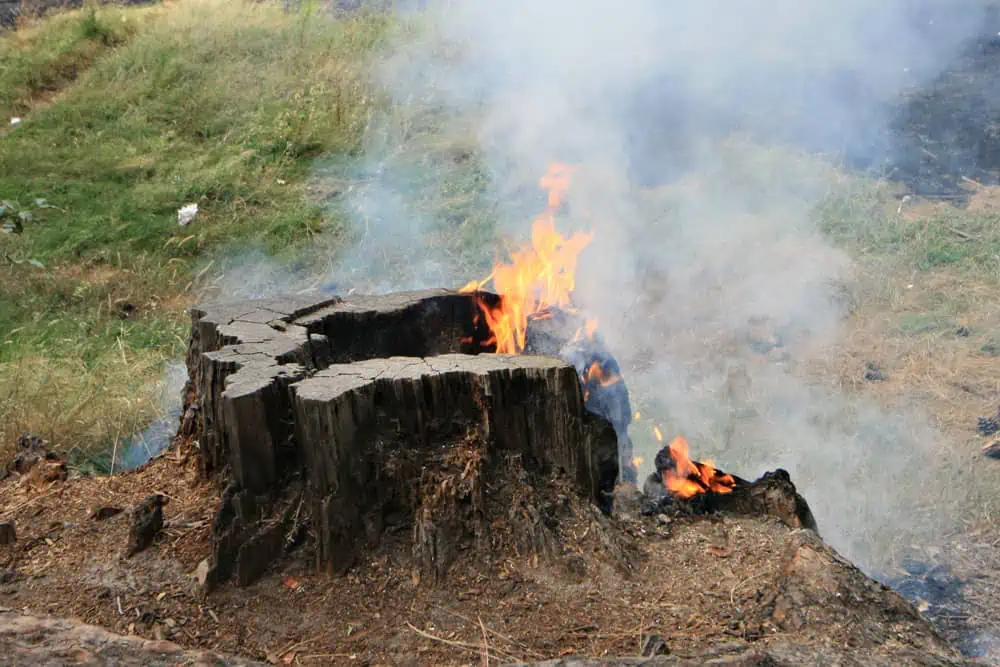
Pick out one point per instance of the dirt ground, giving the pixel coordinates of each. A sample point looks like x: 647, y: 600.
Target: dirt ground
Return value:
x: 709, y: 586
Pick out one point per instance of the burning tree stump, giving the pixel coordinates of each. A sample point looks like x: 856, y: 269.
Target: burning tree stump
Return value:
x: 371, y: 430
x: 353, y: 416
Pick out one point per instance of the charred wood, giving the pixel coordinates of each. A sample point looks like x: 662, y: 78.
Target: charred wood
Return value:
x: 566, y: 335
x: 773, y: 494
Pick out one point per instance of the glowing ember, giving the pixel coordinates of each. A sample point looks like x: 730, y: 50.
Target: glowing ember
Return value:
x: 596, y: 374
x: 538, y: 278
x: 689, y: 478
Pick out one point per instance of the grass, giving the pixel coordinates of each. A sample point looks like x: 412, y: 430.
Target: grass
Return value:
x: 37, y: 63
x: 129, y: 114
x: 869, y: 220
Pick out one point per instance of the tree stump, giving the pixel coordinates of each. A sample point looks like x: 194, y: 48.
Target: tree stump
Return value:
x: 354, y: 415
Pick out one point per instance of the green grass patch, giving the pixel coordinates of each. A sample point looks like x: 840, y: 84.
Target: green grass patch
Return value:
x: 915, y: 324
x: 866, y: 218
x: 39, y: 60
x: 129, y: 114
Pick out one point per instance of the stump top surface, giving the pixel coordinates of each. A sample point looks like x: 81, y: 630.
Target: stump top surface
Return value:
x: 339, y: 378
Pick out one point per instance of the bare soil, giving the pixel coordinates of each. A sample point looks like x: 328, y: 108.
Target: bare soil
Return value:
x: 709, y: 586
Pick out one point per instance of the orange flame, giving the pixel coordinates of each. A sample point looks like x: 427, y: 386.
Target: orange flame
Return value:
x: 690, y: 478
x: 539, y: 277
x: 596, y: 374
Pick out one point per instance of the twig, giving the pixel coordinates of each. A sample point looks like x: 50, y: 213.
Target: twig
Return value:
x: 14, y: 510
x: 318, y: 656
x: 167, y: 495
x: 732, y: 591
x: 958, y: 232
x: 203, y: 271
x: 499, y: 635
x: 304, y: 642
x: 486, y: 643
x: 114, y: 450
x: 457, y: 644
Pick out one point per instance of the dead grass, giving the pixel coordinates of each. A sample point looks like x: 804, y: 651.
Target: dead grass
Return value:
x: 81, y: 410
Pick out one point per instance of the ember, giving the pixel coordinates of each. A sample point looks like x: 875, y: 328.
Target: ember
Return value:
x: 685, y: 478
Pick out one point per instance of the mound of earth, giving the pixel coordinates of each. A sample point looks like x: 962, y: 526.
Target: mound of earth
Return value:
x: 734, y: 589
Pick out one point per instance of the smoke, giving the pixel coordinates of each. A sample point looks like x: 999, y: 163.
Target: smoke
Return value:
x: 689, y: 123
x: 158, y: 435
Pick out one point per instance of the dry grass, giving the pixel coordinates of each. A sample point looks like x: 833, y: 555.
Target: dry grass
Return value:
x: 80, y: 409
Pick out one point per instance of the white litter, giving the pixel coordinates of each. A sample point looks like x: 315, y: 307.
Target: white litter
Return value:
x: 15, y: 121
x: 186, y: 214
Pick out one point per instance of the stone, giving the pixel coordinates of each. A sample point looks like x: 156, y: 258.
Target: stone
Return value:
x: 31, y: 640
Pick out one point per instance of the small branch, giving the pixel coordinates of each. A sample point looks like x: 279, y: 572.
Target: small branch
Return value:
x: 498, y: 635
x: 958, y: 232
x: 17, y: 508
x: 486, y: 643
x: 457, y: 644
x: 732, y: 591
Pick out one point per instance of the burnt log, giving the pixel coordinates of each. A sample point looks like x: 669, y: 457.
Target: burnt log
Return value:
x: 773, y: 495
x: 355, y: 408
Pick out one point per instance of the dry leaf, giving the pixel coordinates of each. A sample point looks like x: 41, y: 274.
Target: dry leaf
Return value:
x: 161, y: 596
x: 289, y: 657
x: 290, y: 582
x: 721, y: 552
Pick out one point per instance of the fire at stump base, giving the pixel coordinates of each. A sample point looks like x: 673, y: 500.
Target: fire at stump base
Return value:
x: 773, y: 495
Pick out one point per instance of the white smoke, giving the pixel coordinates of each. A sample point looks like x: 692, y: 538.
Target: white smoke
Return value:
x: 681, y: 118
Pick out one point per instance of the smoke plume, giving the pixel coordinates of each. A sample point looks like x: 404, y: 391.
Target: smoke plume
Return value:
x: 694, y: 127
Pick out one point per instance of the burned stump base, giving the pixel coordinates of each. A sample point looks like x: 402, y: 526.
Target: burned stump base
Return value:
x: 772, y: 495
x: 355, y: 420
